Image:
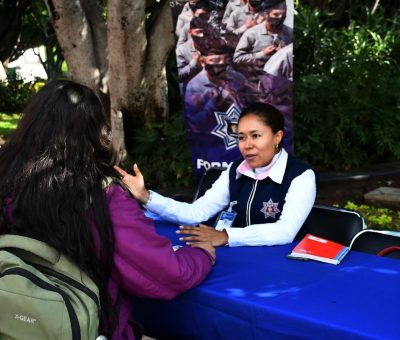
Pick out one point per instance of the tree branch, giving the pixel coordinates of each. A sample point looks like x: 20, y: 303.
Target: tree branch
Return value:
x: 161, y: 37
x: 127, y: 44
x: 98, y: 31
x: 161, y: 41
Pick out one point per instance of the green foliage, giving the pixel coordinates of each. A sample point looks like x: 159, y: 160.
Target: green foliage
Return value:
x: 15, y: 94
x: 162, y: 154
x: 377, y: 218
x: 37, y: 30
x: 8, y: 123
x: 347, y: 107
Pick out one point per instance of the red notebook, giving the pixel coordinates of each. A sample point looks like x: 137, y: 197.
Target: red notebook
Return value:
x: 316, y: 248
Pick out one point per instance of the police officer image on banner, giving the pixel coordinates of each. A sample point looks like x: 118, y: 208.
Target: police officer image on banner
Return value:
x: 260, y: 42
x: 215, y: 88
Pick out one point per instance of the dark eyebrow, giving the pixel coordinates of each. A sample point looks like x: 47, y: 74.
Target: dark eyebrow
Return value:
x: 251, y: 131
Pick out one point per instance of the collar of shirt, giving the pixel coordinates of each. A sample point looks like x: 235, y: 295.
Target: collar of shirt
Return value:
x: 246, y: 9
x: 263, y: 30
x: 275, y: 170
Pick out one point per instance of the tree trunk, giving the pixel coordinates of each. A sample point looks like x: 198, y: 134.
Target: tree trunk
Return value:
x: 127, y: 45
x: 161, y: 42
x: 126, y: 59
x: 137, y: 59
x: 98, y: 27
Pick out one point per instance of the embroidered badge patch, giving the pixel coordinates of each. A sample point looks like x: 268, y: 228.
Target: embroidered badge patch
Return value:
x: 270, y: 209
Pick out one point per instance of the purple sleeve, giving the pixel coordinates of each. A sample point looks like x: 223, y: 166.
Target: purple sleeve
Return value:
x: 145, y: 263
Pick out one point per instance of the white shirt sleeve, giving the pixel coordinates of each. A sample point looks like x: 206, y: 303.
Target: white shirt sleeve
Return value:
x: 299, y: 201
x: 213, y: 201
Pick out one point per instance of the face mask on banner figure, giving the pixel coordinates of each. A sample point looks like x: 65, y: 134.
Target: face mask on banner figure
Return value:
x: 198, y: 8
x: 242, y: 19
x: 215, y: 63
x: 216, y: 66
x: 230, y: 87
x: 187, y: 53
x: 203, y: 12
x: 197, y: 35
x: 274, y: 19
x: 202, y: 33
x: 215, y: 88
x: 259, y: 43
x: 201, y: 36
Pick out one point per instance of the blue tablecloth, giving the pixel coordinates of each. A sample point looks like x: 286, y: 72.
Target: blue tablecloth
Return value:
x: 258, y: 293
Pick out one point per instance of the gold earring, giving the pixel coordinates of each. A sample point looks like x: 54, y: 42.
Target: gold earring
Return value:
x: 276, y: 147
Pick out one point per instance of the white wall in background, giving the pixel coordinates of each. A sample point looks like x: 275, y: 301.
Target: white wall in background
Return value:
x: 28, y: 66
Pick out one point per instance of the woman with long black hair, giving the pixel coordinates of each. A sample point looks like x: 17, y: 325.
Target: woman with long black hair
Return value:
x: 56, y: 185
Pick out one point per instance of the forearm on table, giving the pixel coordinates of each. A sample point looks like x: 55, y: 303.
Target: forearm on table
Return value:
x: 182, y: 212
x: 266, y: 234
x: 164, y: 273
x: 214, y: 200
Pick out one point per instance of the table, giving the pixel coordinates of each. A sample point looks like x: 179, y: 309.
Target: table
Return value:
x: 258, y: 293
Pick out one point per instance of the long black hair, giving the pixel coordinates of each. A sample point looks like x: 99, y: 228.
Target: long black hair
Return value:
x: 52, y: 171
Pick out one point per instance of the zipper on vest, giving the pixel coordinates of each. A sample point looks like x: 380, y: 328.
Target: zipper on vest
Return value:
x: 75, y: 328
x: 250, y: 201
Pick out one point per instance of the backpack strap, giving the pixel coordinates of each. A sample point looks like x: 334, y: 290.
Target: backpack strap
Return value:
x: 39, y: 253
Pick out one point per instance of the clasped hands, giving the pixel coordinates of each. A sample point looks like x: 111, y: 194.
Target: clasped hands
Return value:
x: 202, y: 233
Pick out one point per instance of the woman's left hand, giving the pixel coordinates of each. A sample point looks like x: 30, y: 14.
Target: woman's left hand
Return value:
x: 203, y: 233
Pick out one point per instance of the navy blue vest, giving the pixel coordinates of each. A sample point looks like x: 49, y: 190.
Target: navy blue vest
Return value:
x: 261, y: 201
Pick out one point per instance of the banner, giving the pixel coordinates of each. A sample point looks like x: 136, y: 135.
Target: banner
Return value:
x: 229, y: 55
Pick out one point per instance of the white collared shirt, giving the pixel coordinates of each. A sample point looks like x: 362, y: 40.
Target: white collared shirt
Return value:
x: 298, y: 203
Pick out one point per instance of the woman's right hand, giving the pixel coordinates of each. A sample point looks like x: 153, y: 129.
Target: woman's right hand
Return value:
x: 135, y: 183
x: 207, y: 246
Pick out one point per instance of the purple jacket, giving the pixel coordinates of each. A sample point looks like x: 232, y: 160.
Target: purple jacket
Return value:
x: 145, y: 263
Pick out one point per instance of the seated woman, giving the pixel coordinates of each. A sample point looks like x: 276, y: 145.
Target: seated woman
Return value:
x: 271, y: 192
x: 55, y: 173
